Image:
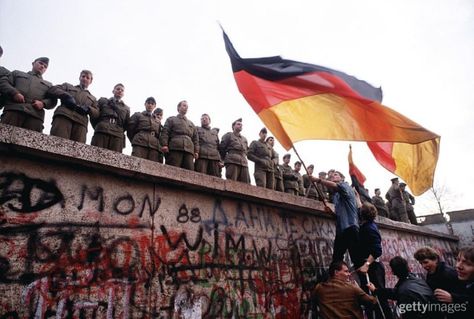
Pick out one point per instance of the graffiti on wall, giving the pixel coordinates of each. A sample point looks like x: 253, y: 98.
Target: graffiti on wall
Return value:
x: 97, y: 251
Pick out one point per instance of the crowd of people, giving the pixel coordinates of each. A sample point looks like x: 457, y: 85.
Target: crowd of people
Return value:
x: 446, y: 293
x: 24, y: 97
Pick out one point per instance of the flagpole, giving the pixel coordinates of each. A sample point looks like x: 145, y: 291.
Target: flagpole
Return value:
x: 320, y: 193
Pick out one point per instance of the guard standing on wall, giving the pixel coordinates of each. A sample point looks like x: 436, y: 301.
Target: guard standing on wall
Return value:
x: 290, y: 179
x: 143, y: 132
x: 70, y: 118
x: 3, y: 72
x: 179, y: 139
x: 112, y: 122
x: 26, y: 99
x: 209, y: 161
x: 261, y: 155
x: 233, y: 149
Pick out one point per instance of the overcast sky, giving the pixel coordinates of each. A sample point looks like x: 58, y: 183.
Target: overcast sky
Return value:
x: 421, y: 53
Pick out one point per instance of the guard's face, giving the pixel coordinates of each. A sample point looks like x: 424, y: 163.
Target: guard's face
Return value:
x: 150, y: 106
x: 271, y: 142
x: 118, y: 92
x: 297, y: 167
x: 85, y: 79
x: 39, y: 67
x: 262, y: 136
x: 286, y: 160
x: 238, y: 127
x: 183, y: 108
x: 205, y: 121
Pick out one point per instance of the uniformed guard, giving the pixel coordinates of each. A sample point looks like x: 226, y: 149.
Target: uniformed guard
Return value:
x: 179, y: 139
x: 396, y: 202
x: 3, y: 72
x: 290, y: 180
x: 261, y: 154
x: 25, y: 96
x: 297, y: 170
x: 233, y: 149
x: 277, y: 172
x: 110, y: 126
x: 310, y: 189
x: 409, y: 202
x: 143, y: 132
x: 209, y: 161
x: 70, y: 118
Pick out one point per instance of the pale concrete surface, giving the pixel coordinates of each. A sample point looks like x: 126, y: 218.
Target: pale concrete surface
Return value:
x: 93, y: 233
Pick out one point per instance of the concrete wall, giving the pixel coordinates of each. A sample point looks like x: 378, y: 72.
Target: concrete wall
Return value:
x: 89, y: 233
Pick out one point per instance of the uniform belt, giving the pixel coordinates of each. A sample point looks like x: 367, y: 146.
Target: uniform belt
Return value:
x: 110, y: 119
x: 152, y: 133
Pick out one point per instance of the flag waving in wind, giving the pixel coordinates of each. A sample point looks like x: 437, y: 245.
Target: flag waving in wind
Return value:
x: 299, y: 101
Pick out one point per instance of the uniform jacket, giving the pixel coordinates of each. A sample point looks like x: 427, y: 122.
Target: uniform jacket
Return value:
x: 3, y: 72
x: 394, y: 196
x: 180, y: 134
x: 113, y: 117
x: 309, y: 187
x: 276, y: 167
x: 82, y: 97
x: 379, y: 203
x: 290, y: 179
x: 233, y: 149
x: 208, y: 144
x: 32, y: 87
x: 409, y: 200
x: 261, y: 154
x: 300, y: 188
x: 144, y: 130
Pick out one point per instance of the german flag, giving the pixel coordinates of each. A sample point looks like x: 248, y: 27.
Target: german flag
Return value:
x: 300, y: 101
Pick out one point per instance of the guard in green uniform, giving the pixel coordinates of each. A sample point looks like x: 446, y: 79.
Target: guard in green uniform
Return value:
x: 70, y: 118
x: 144, y: 131
x: 261, y: 155
x: 112, y: 122
x: 233, y: 149
x: 209, y: 161
x: 179, y: 139
x: 25, y: 96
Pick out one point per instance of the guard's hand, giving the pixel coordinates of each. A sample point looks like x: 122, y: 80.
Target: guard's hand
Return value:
x: 83, y: 109
x: 69, y: 101
x: 443, y: 296
x: 221, y: 164
x: 165, y: 149
x: 196, y: 155
x: 37, y: 104
x: 19, y: 98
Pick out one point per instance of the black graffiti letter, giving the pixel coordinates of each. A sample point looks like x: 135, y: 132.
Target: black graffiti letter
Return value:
x: 97, y: 194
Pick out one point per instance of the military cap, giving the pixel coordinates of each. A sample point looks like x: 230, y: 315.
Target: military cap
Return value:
x: 237, y: 120
x: 158, y: 110
x: 311, y: 166
x: 403, y: 184
x: 394, y: 179
x: 263, y: 130
x: 287, y: 155
x: 151, y: 99
x: 43, y: 59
